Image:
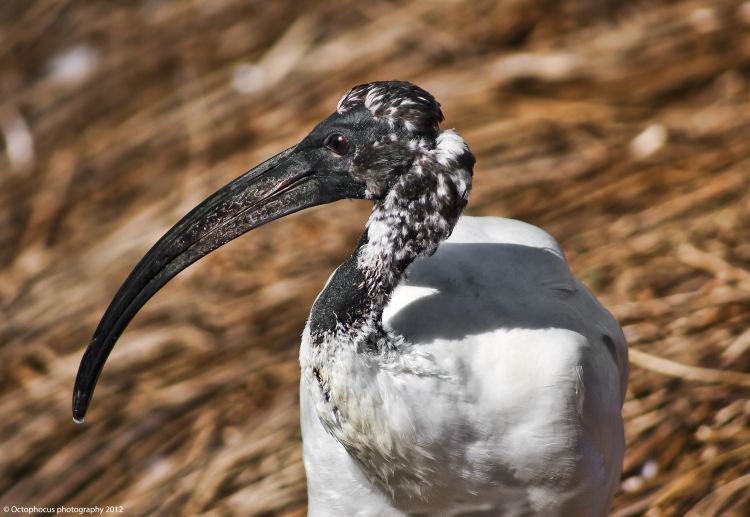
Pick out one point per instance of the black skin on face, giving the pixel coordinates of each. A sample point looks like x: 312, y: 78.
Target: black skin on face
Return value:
x: 378, y: 152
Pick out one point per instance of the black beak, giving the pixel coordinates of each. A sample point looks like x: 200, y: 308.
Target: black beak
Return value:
x: 280, y: 186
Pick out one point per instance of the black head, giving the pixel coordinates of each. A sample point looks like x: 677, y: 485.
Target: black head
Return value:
x: 383, y: 143
x: 377, y: 132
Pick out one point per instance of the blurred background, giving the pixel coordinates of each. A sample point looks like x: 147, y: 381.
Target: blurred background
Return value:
x: 622, y: 128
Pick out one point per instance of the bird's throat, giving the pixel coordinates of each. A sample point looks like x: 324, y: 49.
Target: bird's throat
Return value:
x: 354, y: 298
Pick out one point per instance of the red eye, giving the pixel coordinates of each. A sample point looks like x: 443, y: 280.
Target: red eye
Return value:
x: 337, y: 143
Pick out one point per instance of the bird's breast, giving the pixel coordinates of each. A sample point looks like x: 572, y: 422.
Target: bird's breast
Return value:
x: 445, y: 420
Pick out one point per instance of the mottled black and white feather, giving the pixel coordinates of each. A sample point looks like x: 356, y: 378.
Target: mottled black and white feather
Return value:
x: 396, y: 102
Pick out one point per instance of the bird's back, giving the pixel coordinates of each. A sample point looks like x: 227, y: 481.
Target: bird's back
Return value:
x: 526, y: 418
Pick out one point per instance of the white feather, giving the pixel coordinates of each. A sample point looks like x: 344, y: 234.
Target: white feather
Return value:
x: 504, y: 399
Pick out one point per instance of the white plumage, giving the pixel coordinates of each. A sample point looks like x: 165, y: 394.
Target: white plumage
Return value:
x: 519, y: 410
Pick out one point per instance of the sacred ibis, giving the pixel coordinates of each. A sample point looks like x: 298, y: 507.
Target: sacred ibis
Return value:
x: 452, y: 365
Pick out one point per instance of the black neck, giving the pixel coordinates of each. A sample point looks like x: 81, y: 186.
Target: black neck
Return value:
x: 356, y: 295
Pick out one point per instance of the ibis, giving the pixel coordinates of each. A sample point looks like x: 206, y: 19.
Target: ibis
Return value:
x: 452, y: 365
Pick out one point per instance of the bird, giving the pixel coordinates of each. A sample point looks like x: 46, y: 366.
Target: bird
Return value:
x: 452, y: 365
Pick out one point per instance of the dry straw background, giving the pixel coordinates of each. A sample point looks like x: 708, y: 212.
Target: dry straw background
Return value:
x: 622, y: 128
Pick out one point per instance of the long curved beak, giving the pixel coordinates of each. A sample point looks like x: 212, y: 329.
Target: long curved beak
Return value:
x: 280, y: 186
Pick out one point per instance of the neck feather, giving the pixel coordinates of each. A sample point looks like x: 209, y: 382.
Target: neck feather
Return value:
x: 419, y: 212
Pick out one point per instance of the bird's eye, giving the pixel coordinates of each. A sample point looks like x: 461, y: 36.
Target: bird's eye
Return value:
x: 337, y: 143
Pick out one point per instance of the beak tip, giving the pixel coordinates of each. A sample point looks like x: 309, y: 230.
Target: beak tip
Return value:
x: 80, y: 404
